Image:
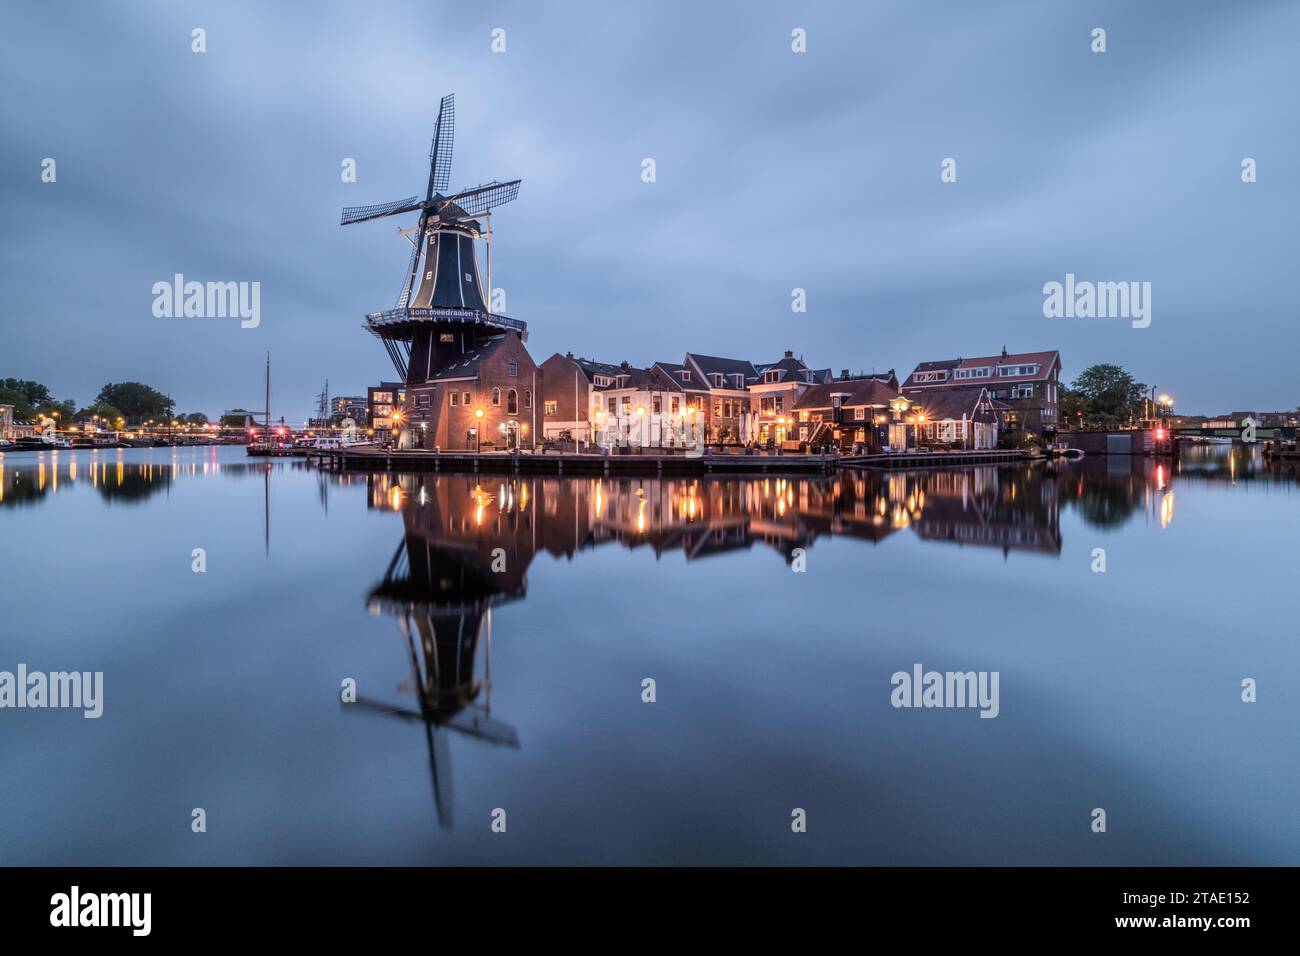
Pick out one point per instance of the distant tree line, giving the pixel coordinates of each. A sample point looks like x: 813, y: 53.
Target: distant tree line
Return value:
x: 128, y: 403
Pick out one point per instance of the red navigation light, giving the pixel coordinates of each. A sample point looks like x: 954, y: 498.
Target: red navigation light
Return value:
x: 1160, y: 434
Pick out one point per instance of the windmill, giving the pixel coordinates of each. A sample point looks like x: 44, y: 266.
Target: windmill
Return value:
x: 441, y: 311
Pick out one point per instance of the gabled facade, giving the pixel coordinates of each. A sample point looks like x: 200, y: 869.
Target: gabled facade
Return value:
x: 776, y: 389
x: 569, y: 401
x: 852, y: 415
x: 645, y: 407
x: 484, y: 400
x: 719, y: 389
x: 957, y: 418
x: 1027, y: 383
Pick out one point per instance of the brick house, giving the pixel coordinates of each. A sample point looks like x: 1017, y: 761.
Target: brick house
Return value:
x: 773, y: 394
x: 1028, y: 384
x: 569, y: 398
x: 847, y: 414
x: 484, y: 400
x: 648, y: 407
x: 723, y: 384
x: 959, y: 417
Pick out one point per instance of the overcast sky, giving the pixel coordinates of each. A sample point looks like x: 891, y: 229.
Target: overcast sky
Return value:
x: 775, y: 170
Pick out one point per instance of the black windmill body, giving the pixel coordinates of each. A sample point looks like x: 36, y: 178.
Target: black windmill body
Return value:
x: 443, y: 310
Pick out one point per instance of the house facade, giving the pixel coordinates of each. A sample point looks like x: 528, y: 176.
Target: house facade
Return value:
x: 484, y: 400
x: 1025, y: 386
x: 7, y: 422
x: 718, y: 388
x: 776, y: 389
x: 381, y: 401
x: 958, y: 418
x: 569, y: 400
x: 850, y: 415
x: 646, y: 407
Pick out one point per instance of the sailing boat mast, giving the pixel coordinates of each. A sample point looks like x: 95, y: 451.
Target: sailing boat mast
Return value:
x: 267, y: 433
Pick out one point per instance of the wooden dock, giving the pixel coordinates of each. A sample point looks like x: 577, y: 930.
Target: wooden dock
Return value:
x: 255, y: 452
x: 935, y: 459
x: 568, y: 463
x: 649, y: 463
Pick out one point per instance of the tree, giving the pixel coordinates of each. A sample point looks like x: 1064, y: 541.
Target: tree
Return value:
x: 62, y: 412
x: 195, y: 418
x: 1072, y: 403
x: 107, y: 413
x: 34, y: 392
x: 22, y: 407
x: 1106, y: 394
x: 136, y: 401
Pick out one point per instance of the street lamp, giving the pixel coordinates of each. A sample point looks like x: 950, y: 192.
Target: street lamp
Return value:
x: 478, y: 440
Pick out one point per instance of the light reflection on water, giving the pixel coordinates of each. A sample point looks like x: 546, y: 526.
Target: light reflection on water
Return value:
x: 1118, y: 690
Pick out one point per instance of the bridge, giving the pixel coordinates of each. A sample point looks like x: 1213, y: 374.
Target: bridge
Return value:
x: 1262, y: 433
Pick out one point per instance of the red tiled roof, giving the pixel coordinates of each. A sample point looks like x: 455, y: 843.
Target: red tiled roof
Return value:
x: 1045, y: 361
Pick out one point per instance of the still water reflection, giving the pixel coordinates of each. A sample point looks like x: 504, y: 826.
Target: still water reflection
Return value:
x: 510, y: 623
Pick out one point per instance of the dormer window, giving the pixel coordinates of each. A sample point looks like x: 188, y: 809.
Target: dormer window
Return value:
x: 686, y: 375
x: 771, y: 376
x: 1014, y: 370
x: 717, y: 379
x: 602, y: 381
x: 739, y: 381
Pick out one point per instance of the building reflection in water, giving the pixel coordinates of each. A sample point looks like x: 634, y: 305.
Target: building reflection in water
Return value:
x: 468, y: 541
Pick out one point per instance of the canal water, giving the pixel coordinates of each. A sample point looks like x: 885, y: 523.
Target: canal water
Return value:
x: 501, y: 635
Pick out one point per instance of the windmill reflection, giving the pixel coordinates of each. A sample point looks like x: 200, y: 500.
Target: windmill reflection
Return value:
x: 441, y: 595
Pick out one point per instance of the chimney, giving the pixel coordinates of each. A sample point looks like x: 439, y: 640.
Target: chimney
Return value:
x: 623, y: 365
x: 1004, y: 351
x: 789, y: 353
x: 569, y: 355
x: 844, y: 373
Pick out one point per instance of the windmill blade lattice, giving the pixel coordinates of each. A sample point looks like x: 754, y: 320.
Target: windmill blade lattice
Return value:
x: 444, y: 137
x: 480, y: 199
x: 353, y: 214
